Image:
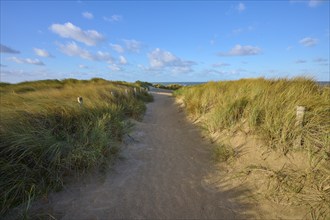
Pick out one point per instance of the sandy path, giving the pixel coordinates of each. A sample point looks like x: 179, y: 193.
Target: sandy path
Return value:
x: 162, y: 176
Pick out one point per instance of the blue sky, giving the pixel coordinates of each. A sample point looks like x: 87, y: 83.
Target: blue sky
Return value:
x: 164, y: 40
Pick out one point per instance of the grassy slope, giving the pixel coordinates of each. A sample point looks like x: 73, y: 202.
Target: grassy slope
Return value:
x: 46, y: 135
x: 267, y: 109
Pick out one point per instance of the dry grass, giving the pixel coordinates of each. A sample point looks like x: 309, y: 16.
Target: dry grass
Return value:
x: 46, y: 134
x: 268, y: 108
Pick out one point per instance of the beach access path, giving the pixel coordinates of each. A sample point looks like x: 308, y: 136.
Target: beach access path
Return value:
x: 161, y: 174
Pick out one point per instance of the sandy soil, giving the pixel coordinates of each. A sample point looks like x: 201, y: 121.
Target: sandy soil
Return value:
x: 164, y: 173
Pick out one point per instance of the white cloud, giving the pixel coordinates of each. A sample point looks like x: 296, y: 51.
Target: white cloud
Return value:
x: 310, y: 3
x: 26, y: 61
x: 215, y: 72
x: 118, y: 48
x: 114, y: 67
x: 237, y: 31
x: 320, y: 60
x: 220, y: 64
x: 5, y: 49
x: 87, y: 15
x: 300, y: 61
x: 69, y: 30
x: 113, y: 18
x: 19, y: 75
x: 159, y: 58
x: 181, y: 69
x: 308, y: 41
x: 289, y: 48
x: 314, y: 3
x: 42, y: 52
x: 82, y: 66
x: 106, y: 18
x: 213, y: 41
x: 72, y: 49
x: 242, y: 30
x: 102, y: 56
x: 239, y: 50
x: 212, y: 72
x: 133, y: 45
x: 122, y: 60
x: 164, y: 60
x: 240, y: 7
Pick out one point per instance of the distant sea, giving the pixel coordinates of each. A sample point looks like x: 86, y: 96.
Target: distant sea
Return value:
x: 324, y: 83
x: 180, y: 83
x: 321, y: 83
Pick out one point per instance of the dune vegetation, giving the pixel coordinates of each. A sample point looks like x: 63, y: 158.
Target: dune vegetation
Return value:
x: 169, y: 87
x: 289, y: 159
x: 47, y: 135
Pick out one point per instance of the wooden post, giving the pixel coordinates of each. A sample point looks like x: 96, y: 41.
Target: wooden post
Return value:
x: 300, y: 113
x: 80, y: 100
x: 134, y: 91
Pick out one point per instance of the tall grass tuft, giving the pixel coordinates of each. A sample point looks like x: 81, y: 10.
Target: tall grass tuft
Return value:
x: 268, y: 109
x: 47, y: 135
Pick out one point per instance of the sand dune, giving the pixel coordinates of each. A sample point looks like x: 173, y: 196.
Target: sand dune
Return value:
x: 164, y: 173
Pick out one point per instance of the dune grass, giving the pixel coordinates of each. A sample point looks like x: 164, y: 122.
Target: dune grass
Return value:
x: 268, y: 109
x: 47, y: 135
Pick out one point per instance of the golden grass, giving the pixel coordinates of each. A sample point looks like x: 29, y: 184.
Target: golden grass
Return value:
x: 268, y: 108
x: 46, y: 134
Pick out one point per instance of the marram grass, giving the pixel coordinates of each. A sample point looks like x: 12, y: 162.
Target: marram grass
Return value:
x: 46, y: 134
x: 268, y: 109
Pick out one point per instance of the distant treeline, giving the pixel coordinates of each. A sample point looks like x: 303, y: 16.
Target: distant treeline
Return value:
x: 159, y: 85
x: 170, y: 86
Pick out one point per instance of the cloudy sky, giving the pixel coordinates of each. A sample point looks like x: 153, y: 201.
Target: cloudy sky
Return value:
x: 164, y: 40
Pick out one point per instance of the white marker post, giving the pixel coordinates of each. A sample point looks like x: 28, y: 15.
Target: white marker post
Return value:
x: 300, y: 114
x: 80, y: 100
